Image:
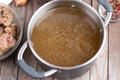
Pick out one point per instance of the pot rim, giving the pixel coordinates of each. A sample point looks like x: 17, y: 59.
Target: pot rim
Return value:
x: 73, y: 67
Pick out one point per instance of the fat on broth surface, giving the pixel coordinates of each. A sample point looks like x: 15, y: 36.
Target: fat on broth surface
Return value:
x: 66, y: 37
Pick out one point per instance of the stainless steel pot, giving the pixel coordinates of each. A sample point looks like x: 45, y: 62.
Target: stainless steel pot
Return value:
x: 63, y: 72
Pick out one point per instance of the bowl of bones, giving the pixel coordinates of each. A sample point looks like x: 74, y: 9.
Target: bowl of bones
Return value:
x: 10, y: 31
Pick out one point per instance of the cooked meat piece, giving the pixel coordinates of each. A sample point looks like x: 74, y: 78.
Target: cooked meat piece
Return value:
x: 1, y: 10
x: 12, y: 29
x: 5, y: 16
x: 6, y: 42
x: 1, y: 30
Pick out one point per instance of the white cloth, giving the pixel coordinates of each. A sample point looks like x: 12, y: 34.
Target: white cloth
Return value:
x: 7, y: 2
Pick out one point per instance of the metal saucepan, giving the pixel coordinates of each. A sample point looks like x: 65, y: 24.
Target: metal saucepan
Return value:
x: 63, y: 72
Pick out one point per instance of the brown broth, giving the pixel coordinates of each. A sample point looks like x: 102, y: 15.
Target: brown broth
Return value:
x: 66, y: 37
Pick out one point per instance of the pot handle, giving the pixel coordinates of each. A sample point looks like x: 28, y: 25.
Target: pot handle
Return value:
x: 106, y: 4
x: 109, y: 9
x: 30, y: 70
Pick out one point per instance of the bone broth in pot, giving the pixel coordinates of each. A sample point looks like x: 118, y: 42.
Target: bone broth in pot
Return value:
x: 66, y: 37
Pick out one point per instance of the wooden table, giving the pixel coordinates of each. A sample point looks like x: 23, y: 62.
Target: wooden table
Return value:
x: 107, y: 66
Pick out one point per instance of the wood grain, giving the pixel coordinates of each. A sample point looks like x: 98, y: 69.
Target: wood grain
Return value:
x: 9, y: 69
x: 114, y: 51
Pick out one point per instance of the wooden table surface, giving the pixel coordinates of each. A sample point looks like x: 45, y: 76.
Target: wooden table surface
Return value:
x: 107, y: 66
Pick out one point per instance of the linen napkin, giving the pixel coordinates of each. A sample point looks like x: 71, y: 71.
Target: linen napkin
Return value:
x: 7, y: 2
